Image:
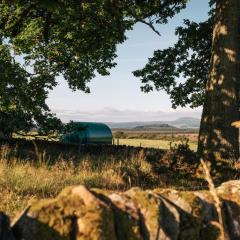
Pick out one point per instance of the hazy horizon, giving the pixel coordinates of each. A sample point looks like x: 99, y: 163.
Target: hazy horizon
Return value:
x: 116, y: 115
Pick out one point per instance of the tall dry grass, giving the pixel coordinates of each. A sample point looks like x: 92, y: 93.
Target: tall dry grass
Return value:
x: 41, y: 169
x: 25, y: 180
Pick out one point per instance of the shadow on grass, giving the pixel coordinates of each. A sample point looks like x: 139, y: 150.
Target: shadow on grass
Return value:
x: 144, y: 167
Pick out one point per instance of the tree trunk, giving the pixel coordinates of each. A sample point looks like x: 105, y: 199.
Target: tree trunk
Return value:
x: 218, y: 140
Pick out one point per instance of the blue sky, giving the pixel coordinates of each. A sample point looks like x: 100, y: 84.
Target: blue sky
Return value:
x: 118, y: 97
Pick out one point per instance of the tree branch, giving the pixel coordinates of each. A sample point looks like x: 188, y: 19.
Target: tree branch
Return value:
x: 150, y: 24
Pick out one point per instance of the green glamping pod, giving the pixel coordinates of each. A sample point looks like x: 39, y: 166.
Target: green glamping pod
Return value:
x: 88, y: 133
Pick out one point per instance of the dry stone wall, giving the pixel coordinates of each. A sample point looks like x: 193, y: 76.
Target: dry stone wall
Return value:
x: 82, y: 214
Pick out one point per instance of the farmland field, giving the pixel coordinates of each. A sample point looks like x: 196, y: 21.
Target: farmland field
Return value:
x: 154, y: 139
x: 150, y: 143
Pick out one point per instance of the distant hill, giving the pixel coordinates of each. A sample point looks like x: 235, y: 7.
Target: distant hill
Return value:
x: 163, y: 126
x: 185, y: 122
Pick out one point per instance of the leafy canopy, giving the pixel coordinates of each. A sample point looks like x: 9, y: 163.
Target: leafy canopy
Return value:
x: 73, y: 38
x: 188, y: 59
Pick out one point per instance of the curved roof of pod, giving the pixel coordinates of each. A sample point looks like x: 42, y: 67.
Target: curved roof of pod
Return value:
x: 89, y: 133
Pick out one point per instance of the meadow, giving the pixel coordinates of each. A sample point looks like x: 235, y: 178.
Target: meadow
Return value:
x: 150, y: 143
x: 155, y: 139
x: 31, y: 170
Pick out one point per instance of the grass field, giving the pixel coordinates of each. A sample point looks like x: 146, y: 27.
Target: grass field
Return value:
x: 34, y: 170
x: 41, y: 169
x: 150, y: 143
x: 155, y: 139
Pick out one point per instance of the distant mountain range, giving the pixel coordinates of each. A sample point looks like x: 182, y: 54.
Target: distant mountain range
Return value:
x: 162, y: 126
x: 183, y: 123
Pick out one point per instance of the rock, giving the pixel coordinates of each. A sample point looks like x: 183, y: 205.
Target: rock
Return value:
x: 5, y: 230
x: 75, y: 212
x: 164, y: 214
x: 154, y: 211
x: 127, y: 217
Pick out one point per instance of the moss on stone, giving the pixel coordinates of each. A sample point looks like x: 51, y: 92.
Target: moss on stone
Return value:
x: 82, y: 214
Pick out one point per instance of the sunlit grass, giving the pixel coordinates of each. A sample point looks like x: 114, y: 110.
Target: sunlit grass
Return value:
x: 36, y: 170
x: 23, y: 181
x: 149, y: 143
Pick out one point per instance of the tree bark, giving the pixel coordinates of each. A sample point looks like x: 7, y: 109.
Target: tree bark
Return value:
x: 218, y: 140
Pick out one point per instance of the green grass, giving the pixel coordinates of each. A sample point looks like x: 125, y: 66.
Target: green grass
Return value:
x: 150, y: 143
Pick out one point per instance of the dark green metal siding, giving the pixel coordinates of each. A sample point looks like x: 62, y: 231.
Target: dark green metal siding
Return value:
x: 89, y: 133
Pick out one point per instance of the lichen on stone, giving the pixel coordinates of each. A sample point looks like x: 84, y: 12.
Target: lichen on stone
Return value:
x: 160, y: 214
